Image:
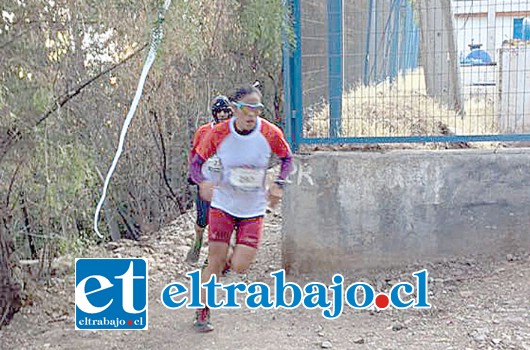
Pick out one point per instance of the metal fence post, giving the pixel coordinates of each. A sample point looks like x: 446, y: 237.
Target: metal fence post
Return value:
x: 292, y: 76
x: 336, y: 69
x: 286, y: 76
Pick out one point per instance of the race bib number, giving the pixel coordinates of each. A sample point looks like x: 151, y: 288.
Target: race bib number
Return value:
x: 213, y: 164
x: 247, y: 179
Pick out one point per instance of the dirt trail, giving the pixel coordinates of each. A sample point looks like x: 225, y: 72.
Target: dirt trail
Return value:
x: 478, y: 303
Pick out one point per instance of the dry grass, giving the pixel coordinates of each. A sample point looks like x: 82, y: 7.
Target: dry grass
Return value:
x: 404, y: 109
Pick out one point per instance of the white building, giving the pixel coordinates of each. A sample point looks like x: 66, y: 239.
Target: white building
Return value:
x: 488, y: 22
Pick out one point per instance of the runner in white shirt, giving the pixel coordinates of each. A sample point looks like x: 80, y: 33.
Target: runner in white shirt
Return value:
x: 244, y: 145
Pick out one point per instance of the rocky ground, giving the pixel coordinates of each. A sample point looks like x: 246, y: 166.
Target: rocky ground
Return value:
x: 478, y: 303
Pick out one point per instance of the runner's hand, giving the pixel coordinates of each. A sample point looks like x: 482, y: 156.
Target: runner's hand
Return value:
x: 274, y: 195
x: 206, y: 190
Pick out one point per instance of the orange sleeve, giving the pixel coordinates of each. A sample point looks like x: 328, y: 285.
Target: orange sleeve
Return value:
x: 208, y: 145
x: 199, y: 135
x: 276, y: 139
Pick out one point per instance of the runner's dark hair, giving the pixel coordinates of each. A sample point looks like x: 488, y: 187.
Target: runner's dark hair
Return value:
x: 242, y: 91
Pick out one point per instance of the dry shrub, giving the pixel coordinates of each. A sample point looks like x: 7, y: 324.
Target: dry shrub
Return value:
x: 403, y: 108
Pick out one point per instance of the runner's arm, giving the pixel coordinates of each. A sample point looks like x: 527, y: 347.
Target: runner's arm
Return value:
x: 196, y: 169
x: 191, y: 155
x: 280, y: 147
x: 205, y: 148
x: 285, y: 169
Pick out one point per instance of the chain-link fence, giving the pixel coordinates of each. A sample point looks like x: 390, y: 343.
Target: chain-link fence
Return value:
x: 375, y: 71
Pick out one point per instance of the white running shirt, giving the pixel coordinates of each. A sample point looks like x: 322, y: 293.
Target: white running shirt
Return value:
x: 244, y: 159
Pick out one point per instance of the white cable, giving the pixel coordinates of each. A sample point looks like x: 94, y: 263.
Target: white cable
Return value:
x: 156, y: 39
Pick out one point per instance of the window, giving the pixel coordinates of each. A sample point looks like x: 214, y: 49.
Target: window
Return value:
x: 518, y: 28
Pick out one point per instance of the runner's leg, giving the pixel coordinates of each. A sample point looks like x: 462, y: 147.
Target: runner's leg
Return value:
x: 231, y: 249
x: 202, y: 221
x: 249, y: 232
x: 221, y: 227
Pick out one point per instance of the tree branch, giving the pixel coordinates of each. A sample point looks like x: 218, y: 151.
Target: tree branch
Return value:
x: 164, y: 165
x: 65, y: 98
x: 61, y: 101
x: 11, y: 184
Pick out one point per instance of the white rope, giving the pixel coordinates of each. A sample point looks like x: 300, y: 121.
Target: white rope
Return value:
x: 156, y: 39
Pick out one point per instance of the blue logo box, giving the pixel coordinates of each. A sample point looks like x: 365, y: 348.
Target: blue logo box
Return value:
x: 111, y: 294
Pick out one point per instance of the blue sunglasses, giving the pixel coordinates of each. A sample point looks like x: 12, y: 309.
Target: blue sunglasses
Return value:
x: 247, y: 108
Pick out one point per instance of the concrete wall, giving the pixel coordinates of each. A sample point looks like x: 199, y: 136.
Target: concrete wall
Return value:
x: 514, y: 90
x: 438, y: 52
x: 357, y: 210
x: 477, y: 75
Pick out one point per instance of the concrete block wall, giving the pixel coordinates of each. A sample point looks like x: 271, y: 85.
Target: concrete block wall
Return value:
x: 358, y: 210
